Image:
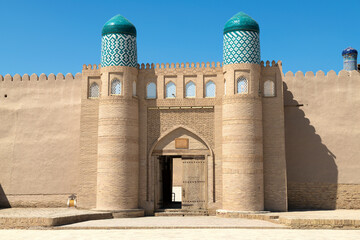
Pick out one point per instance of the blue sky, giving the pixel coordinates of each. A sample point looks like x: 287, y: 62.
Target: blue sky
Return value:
x: 60, y: 36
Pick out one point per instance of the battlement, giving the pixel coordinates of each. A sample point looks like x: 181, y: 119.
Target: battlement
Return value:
x: 273, y: 63
x: 179, y: 65
x: 320, y: 74
x: 91, y: 67
x: 187, y: 65
x: 35, y: 77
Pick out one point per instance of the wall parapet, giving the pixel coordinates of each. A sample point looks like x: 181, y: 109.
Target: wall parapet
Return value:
x: 91, y: 67
x: 273, y: 63
x: 179, y: 65
x: 35, y: 77
x: 321, y: 74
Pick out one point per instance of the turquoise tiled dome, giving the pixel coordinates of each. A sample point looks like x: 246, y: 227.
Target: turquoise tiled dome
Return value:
x: 119, y: 24
x: 241, y: 40
x: 241, y: 22
x: 118, y: 44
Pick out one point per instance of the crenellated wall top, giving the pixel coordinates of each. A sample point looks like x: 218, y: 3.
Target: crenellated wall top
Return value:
x: 320, y: 74
x: 42, y: 77
x: 272, y: 64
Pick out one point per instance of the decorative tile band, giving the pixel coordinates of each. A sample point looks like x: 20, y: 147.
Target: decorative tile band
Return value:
x: 350, y: 62
x: 118, y: 50
x: 241, y: 47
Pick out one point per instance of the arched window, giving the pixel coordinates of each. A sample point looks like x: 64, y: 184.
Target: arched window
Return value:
x: 242, y: 85
x: 170, y: 90
x: 134, y: 88
x: 94, y: 90
x: 190, y: 90
x: 224, y: 86
x: 269, y: 88
x: 151, y: 91
x: 210, y: 90
x: 115, y: 87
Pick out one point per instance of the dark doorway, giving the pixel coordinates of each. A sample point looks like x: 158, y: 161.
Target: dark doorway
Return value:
x: 169, y: 171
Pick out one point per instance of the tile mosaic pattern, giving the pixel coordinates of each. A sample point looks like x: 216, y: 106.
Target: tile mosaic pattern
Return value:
x: 350, y: 61
x: 241, y: 47
x: 118, y: 50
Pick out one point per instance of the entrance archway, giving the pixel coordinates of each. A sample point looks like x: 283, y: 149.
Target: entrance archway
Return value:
x: 181, y: 154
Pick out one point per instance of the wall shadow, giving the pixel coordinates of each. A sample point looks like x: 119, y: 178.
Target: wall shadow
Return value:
x: 311, y: 169
x: 4, y: 202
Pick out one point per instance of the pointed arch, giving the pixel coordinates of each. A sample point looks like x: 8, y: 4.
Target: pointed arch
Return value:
x: 116, y: 87
x: 151, y: 90
x: 210, y: 89
x: 94, y: 90
x: 190, y: 89
x: 170, y: 90
x: 134, y: 88
x: 269, y: 88
x: 168, y: 132
x: 242, y: 85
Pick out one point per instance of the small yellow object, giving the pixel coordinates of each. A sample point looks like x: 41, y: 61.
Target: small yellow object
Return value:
x: 71, y: 203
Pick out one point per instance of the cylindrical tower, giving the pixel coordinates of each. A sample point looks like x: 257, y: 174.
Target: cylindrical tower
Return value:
x: 350, y: 59
x: 118, y: 133
x: 242, y: 149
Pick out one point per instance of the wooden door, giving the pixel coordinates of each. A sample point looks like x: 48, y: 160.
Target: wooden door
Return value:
x: 194, y: 182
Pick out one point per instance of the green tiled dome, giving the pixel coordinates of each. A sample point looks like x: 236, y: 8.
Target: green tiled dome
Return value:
x: 119, y: 24
x: 241, y: 22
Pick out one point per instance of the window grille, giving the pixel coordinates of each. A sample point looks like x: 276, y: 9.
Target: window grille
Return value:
x: 190, y: 89
x: 115, y: 87
x: 94, y: 90
x: 242, y: 85
x: 210, y: 90
x: 151, y: 91
x: 170, y: 90
x: 269, y: 88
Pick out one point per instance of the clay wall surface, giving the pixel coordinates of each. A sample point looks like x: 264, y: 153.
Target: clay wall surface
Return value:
x: 322, y: 139
x: 88, y: 139
x: 275, y: 194
x: 242, y: 140
x: 159, y: 116
x: 39, y: 139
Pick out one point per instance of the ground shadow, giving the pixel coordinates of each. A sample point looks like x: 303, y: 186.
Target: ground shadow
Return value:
x: 4, y: 202
x: 311, y: 169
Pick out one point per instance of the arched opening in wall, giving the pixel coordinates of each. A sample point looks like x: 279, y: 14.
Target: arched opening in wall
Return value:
x: 94, y: 90
x: 190, y: 90
x: 210, y: 89
x: 170, y: 90
x: 179, y: 161
x: 116, y: 87
x: 151, y: 91
x: 134, y: 88
x: 269, y: 88
x: 242, y: 85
